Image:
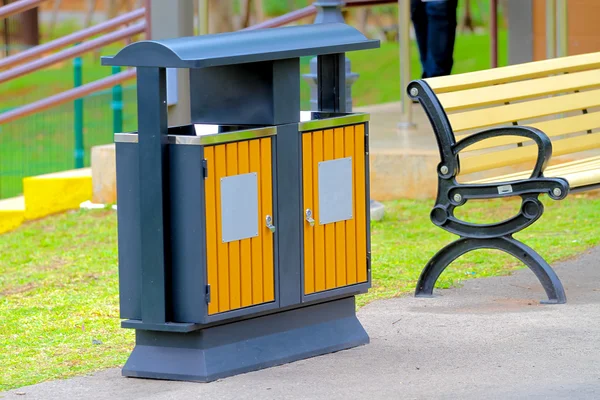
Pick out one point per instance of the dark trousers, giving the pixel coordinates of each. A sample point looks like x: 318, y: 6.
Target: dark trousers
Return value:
x: 435, y: 28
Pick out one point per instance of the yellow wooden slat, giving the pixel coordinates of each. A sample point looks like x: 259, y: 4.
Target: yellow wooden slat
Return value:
x: 235, y: 289
x: 340, y: 227
x: 577, y: 173
x: 360, y: 196
x: 307, y: 188
x: 510, y: 92
x: 553, y: 171
x: 514, y: 73
x: 267, y: 206
x: 552, y: 128
x: 583, y: 178
x: 211, y: 232
x: 245, y: 248
x: 351, y: 224
x: 319, y: 230
x: 531, y: 109
x: 330, y: 250
x: 518, y: 155
x: 222, y: 248
x: 256, y: 242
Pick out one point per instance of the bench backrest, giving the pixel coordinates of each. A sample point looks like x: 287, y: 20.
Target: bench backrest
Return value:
x: 560, y: 96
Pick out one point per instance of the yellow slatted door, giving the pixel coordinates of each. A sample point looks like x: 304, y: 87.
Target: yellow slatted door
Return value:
x: 240, y: 273
x: 335, y: 254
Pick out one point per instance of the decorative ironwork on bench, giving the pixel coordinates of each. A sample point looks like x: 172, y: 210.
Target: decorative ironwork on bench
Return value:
x: 452, y: 194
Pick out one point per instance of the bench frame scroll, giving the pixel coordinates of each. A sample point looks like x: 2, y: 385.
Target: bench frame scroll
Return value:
x: 452, y: 194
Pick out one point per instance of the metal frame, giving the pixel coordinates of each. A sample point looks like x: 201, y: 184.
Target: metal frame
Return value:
x: 262, y: 307
x: 452, y: 194
x: 212, y: 139
x: 331, y: 120
x: 357, y: 288
x: 160, y: 173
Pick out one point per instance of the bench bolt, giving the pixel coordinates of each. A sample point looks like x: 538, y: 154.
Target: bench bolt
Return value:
x: 444, y: 169
x: 557, y: 192
x: 414, y: 92
x: 457, y: 198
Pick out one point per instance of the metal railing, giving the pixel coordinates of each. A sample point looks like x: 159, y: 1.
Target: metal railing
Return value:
x: 18, y: 7
x: 53, y: 140
x: 73, y: 38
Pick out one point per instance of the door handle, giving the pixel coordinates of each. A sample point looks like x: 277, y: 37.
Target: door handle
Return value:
x: 309, y: 217
x: 269, y: 223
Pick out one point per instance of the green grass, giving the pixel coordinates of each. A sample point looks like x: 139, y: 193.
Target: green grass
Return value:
x: 44, y: 143
x: 59, y: 282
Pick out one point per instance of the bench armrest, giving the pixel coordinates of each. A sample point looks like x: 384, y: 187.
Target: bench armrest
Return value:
x: 540, y: 138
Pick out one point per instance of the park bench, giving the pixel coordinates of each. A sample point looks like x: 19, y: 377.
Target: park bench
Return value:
x: 506, y: 123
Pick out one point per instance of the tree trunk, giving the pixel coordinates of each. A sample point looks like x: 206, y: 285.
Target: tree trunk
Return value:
x: 30, y: 32
x: 246, y: 13
x: 259, y: 11
x: 221, y: 16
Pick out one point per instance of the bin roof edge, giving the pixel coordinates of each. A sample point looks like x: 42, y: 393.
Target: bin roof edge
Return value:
x: 243, y: 46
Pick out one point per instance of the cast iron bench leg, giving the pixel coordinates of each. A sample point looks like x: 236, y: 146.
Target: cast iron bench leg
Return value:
x: 524, y: 253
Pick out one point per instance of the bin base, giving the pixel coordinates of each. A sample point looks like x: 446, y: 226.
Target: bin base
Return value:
x: 225, y: 350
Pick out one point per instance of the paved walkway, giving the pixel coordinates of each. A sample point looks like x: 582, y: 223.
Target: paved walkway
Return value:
x: 490, y: 339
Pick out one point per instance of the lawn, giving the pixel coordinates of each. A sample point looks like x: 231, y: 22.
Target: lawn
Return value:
x: 59, y: 282
x: 44, y: 142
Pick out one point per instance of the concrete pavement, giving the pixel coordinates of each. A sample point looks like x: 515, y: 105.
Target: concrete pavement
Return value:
x: 490, y: 339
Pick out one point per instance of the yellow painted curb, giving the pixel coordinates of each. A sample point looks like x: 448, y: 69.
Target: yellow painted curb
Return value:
x: 12, y: 213
x: 53, y: 193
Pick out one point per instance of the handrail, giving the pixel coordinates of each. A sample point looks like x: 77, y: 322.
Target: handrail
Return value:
x: 67, y: 96
x: 73, y: 51
x: 18, y: 6
x: 75, y: 37
x: 284, y: 19
x: 309, y: 11
x: 362, y: 3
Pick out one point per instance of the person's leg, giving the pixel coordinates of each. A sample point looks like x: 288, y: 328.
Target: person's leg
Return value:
x: 418, y: 16
x: 441, y: 33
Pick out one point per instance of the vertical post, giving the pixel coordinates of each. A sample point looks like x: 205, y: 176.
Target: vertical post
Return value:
x: 494, y: 33
x: 148, y: 18
x: 117, y: 104
x: 152, y: 132
x: 30, y: 31
x: 331, y: 82
x: 550, y: 29
x: 78, y: 115
x: 329, y: 11
x: 173, y: 19
x: 404, y: 44
x: 562, y: 34
x: 6, y: 33
x: 203, y: 17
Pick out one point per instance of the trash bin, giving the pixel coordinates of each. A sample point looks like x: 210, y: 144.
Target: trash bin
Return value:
x: 243, y: 236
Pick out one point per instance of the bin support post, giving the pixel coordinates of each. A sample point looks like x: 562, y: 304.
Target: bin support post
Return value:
x: 329, y: 12
x: 331, y: 86
x: 152, y: 128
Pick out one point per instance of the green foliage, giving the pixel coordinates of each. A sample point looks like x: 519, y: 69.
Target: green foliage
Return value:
x: 59, y: 277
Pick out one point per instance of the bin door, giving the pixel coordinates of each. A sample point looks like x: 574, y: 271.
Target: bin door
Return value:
x: 335, y: 244
x: 239, y: 244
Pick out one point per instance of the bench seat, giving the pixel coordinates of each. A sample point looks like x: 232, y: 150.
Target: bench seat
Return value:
x: 583, y: 173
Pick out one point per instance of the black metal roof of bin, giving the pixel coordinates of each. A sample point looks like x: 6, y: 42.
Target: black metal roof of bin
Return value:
x: 243, y: 47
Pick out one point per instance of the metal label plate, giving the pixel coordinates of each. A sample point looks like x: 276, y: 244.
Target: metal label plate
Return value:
x: 505, y: 189
x: 335, y: 190
x: 239, y: 207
